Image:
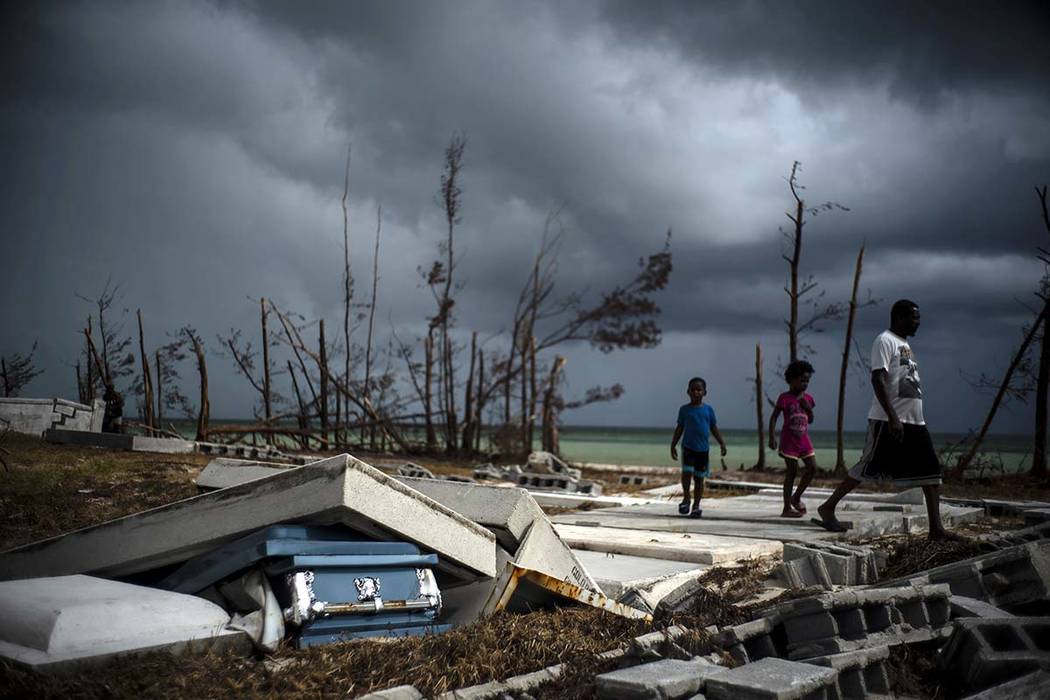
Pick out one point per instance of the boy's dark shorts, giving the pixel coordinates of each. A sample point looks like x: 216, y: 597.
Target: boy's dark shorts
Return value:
x: 696, y: 463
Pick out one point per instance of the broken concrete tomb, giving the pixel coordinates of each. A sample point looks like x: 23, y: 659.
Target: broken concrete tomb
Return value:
x: 337, y: 491
x: 66, y: 622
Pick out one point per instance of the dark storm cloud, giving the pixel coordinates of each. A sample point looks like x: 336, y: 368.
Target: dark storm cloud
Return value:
x: 195, y: 152
x: 922, y: 50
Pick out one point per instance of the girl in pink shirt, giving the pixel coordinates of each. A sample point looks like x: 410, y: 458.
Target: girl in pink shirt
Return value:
x: 795, y: 445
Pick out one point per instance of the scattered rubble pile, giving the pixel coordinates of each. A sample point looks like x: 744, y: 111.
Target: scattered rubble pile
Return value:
x: 483, y: 596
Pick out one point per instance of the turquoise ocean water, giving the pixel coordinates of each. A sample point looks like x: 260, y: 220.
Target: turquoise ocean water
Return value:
x: 651, y: 446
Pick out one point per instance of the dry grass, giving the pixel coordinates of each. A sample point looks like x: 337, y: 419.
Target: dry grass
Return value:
x: 51, y: 489
x: 907, y: 555
x: 913, y: 671
x: 499, y: 647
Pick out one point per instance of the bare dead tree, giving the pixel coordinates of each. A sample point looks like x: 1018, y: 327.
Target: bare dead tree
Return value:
x: 322, y: 407
x: 267, y: 397
x: 800, y: 290
x: 761, y: 463
x: 147, y: 379
x: 1005, y: 388
x: 428, y: 390
x: 840, y: 461
x: 1042, y: 385
x: 439, y: 278
x: 467, y: 441
x: 344, y: 386
x: 549, y: 423
x: 204, y: 406
x: 348, y: 282
x: 372, y: 309
x: 17, y: 370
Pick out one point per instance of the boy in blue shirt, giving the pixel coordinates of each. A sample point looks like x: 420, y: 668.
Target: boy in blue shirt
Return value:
x: 695, y: 421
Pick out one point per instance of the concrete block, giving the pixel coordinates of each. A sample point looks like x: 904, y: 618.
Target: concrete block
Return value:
x: 700, y: 549
x: 519, y: 524
x: 772, y: 679
x: 805, y: 572
x: 544, y: 551
x: 983, y: 652
x: 414, y: 471
x: 546, y: 462
x: 111, y: 441
x: 487, y: 472
x: 649, y: 577
x: 749, y: 641
x: 1033, y: 686
x: 34, y: 416
x: 862, y: 673
x: 961, y: 606
x: 224, y: 472
x: 855, y: 619
x: 401, y: 692
x: 633, y: 480
x: 1010, y: 577
x: 141, y: 443
x: 339, y: 490
x: 659, y: 680
x: 67, y: 622
x: 1036, y: 516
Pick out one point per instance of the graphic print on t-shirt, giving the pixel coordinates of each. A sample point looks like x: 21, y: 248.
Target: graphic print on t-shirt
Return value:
x: 909, y: 387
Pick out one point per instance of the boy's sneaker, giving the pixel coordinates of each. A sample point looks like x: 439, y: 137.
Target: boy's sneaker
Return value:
x: 683, y: 508
x: 697, y: 513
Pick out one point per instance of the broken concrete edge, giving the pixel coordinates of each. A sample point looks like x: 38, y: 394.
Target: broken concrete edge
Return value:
x: 514, y: 574
x: 227, y: 640
x: 515, y: 684
x: 143, y: 443
x: 316, y: 494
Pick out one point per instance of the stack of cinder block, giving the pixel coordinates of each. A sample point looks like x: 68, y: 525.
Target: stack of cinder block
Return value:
x: 985, y: 652
x: 1014, y: 576
x: 827, y: 565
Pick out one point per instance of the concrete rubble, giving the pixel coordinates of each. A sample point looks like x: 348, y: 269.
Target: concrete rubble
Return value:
x: 58, y: 624
x: 163, y: 445
x: 35, y: 416
x: 492, y: 548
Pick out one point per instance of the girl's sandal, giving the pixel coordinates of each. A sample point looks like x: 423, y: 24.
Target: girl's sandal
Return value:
x: 799, y: 506
x: 683, y: 508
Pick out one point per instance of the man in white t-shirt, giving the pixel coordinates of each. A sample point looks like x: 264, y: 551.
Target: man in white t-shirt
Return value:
x: 898, y: 447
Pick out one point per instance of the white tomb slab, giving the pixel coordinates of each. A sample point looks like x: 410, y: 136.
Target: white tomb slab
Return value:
x: 698, y: 548
x: 66, y: 622
x: 339, y: 490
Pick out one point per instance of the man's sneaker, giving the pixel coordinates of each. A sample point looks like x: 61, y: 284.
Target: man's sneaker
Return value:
x: 697, y: 513
x: 683, y: 508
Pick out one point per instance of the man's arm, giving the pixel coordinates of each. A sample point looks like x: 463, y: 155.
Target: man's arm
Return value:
x: 718, y: 436
x: 674, y: 441
x: 878, y: 385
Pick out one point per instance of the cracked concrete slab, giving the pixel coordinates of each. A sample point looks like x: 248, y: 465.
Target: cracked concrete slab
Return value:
x: 340, y: 490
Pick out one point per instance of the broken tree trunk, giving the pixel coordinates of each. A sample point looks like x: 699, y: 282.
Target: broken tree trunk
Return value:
x: 840, y: 460
x: 1018, y: 356
x: 300, y: 418
x: 322, y: 399
x: 549, y: 424
x: 80, y: 386
x: 1042, y: 384
x: 793, y: 261
x: 147, y: 380
x: 531, y: 422
x: 480, y: 404
x: 158, y: 413
x: 761, y: 463
x: 204, y: 410
x: 7, y: 384
x: 428, y: 396
x: 467, y: 439
x: 267, y: 407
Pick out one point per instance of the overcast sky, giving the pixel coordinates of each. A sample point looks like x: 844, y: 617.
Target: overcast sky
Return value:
x: 194, y: 151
